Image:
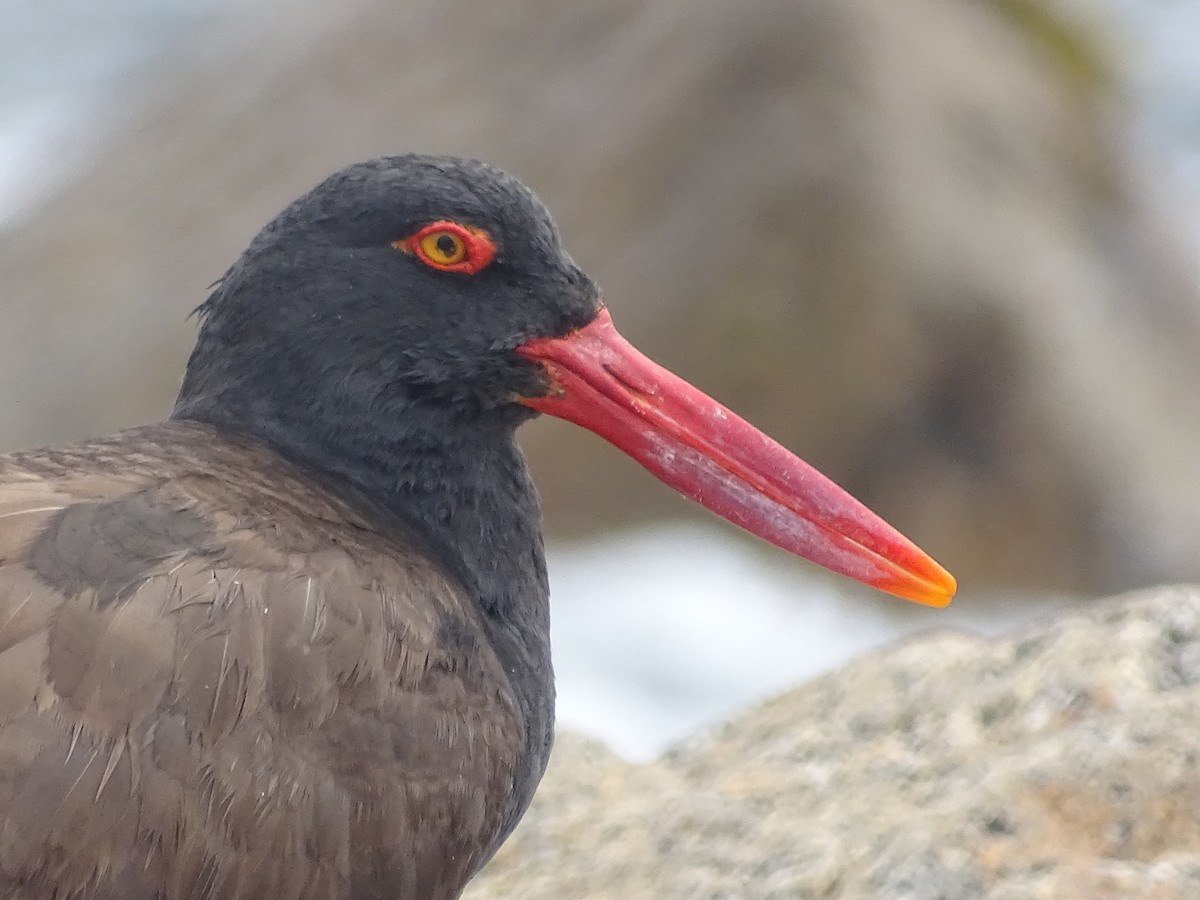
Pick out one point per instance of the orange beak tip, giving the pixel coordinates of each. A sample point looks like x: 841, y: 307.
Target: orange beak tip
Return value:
x: 937, y: 601
x: 937, y: 592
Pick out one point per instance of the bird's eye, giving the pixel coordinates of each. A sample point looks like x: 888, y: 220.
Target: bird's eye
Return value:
x: 443, y: 248
x: 450, y: 247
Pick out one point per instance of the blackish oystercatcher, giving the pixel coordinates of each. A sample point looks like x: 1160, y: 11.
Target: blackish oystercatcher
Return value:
x: 294, y: 641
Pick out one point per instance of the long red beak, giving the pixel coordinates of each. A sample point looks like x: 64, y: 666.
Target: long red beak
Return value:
x: 724, y: 463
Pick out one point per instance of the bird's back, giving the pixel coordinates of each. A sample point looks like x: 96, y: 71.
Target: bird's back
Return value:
x: 219, y: 680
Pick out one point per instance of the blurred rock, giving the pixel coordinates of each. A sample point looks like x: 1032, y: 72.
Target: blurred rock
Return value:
x: 1059, y: 763
x: 901, y: 237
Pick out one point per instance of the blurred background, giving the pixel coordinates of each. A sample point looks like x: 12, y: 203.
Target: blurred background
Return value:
x: 945, y: 250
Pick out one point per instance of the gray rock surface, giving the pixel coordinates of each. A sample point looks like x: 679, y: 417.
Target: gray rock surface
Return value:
x: 1058, y: 763
x: 902, y: 237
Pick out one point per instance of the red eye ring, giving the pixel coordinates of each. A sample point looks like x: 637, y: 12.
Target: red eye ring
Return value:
x: 450, y: 247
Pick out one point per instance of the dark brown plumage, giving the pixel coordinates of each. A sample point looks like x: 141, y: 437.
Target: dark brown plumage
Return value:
x: 219, y: 680
x: 294, y: 642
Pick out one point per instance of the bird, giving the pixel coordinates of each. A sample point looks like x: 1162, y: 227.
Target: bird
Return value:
x: 292, y: 642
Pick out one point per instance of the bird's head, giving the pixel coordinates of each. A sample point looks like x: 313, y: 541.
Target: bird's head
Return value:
x: 412, y: 275
x: 442, y: 283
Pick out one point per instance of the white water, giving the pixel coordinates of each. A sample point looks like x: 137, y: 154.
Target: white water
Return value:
x: 661, y: 631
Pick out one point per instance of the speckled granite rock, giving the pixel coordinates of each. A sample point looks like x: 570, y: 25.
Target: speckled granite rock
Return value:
x: 1059, y: 763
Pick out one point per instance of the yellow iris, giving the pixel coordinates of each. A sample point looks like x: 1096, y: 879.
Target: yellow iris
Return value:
x: 443, y: 248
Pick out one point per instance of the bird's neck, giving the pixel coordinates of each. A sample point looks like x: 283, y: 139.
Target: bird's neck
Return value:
x: 459, y: 488
x: 456, y: 483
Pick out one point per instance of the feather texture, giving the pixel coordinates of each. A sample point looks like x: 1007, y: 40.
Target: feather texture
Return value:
x: 219, y: 680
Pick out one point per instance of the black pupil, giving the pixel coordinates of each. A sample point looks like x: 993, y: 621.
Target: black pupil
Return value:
x: 447, y: 245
